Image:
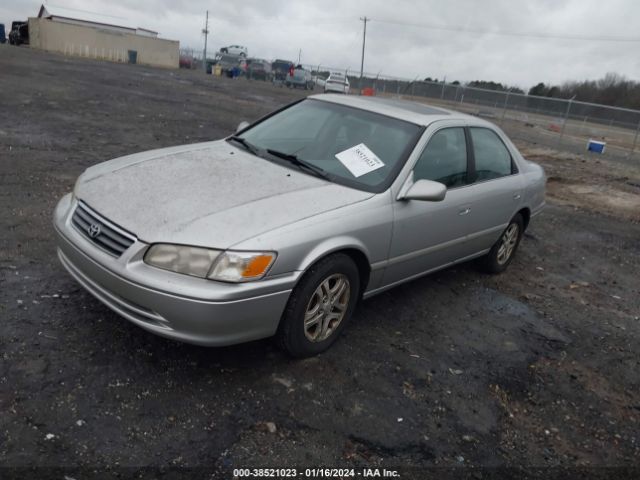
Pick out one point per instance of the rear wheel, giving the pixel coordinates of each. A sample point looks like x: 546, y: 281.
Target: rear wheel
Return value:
x: 503, y: 251
x: 320, y: 306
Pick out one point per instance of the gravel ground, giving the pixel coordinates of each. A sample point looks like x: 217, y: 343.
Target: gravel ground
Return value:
x: 457, y: 372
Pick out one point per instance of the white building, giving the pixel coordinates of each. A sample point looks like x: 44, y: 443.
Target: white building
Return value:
x: 87, y: 34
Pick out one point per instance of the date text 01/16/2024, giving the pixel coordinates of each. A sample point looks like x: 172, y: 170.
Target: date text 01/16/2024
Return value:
x: 315, y: 473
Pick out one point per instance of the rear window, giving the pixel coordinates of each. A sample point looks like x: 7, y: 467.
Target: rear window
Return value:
x: 493, y: 159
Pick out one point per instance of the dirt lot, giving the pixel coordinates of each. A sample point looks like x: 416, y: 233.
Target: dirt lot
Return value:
x: 537, y: 367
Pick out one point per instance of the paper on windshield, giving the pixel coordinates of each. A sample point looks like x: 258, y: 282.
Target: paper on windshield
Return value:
x: 359, y: 160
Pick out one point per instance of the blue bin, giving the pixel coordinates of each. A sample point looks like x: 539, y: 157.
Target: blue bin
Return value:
x: 596, y: 146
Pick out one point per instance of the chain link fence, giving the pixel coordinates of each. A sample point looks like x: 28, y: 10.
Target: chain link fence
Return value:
x: 563, y: 124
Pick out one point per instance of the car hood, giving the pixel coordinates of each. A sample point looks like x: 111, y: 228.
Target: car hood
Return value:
x: 211, y: 194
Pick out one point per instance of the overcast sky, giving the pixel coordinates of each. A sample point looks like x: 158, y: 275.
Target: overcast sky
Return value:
x: 329, y: 33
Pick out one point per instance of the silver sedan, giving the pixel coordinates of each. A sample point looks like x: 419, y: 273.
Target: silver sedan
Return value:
x: 283, y: 227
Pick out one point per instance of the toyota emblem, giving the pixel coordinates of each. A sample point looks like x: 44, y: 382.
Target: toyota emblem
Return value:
x: 93, y: 230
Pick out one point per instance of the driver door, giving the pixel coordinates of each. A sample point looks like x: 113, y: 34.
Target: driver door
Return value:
x: 428, y: 235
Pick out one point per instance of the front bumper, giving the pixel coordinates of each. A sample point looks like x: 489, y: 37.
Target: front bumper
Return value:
x: 184, y: 308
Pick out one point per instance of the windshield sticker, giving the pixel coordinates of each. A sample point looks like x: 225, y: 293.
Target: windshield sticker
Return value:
x: 359, y: 160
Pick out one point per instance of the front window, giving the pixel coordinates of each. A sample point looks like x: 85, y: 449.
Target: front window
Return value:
x: 444, y: 159
x: 353, y: 147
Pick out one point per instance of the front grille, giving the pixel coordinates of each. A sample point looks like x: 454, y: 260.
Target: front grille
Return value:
x: 97, y: 229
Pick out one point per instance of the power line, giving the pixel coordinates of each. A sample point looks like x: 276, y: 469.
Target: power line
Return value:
x: 461, y: 29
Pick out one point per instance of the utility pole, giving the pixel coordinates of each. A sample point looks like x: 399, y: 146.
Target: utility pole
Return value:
x: 364, y: 39
x: 299, y: 55
x: 206, y: 33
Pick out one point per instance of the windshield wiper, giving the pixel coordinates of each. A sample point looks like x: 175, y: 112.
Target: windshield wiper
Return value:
x: 251, y: 148
x: 319, y: 172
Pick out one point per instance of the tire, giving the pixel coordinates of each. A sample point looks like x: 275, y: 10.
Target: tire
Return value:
x: 331, y: 315
x: 499, y: 258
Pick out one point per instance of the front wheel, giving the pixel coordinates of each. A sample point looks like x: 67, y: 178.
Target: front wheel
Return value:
x: 320, y: 306
x: 503, y: 251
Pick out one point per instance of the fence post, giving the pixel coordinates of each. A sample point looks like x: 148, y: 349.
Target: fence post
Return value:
x: 504, y: 109
x: 566, y: 118
x: 635, y: 140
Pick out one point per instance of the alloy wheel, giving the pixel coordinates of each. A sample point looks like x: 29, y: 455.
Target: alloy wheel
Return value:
x: 327, y: 307
x: 508, y: 243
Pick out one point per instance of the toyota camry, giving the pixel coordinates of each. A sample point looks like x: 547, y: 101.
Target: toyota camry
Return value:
x: 284, y: 226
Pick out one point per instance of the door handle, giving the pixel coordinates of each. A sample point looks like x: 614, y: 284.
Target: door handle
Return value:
x: 464, y: 211
x: 516, y: 196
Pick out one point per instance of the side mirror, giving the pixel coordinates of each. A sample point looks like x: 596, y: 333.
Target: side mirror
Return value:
x: 426, y: 190
x: 241, y: 126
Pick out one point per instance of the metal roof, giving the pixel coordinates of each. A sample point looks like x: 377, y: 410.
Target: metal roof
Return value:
x: 82, y: 16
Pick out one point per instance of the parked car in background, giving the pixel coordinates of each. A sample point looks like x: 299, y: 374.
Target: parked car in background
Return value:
x: 3, y: 36
x: 186, y: 61
x: 300, y: 78
x: 282, y: 228
x: 336, y: 83
x: 280, y: 70
x: 235, y: 50
x: 258, y: 69
x: 19, y: 34
x: 231, y: 65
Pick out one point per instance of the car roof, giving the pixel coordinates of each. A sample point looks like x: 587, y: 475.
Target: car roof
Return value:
x: 414, y: 112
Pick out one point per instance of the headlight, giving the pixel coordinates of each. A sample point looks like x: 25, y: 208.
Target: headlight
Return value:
x: 242, y: 266
x: 228, y: 266
x: 181, y: 259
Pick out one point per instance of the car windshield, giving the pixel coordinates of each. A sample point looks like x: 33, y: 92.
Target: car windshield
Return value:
x: 354, y: 147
